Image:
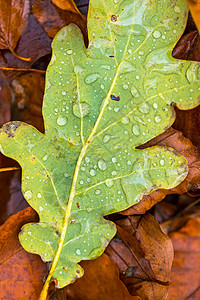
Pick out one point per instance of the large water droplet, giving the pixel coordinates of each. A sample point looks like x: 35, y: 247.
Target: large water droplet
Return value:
x: 87, y: 159
x: 45, y: 157
x: 177, y: 9
x: 61, y: 121
x: 157, y: 34
x: 28, y: 195
x: 69, y: 51
x: 136, y: 130
x: 157, y: 119
x: 102, y: 164
x: 125, y: 86
x: 144, y: 108
x: 109, y: 183
x: 106, y: 138
x: 39, y: 195
x: 162, y: 162
x: 97, y: 192
x: 92, y: 78
x: 82, y: 107
x: 78, y: 252
x: 125, y: 120
x: 134, y: 91
x: 92, y: 172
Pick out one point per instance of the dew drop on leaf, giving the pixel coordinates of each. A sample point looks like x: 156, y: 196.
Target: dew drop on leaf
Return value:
x: 102, y: 164
x: 61, y: 121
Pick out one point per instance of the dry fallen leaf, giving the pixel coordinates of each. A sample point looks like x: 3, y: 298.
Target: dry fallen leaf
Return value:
x: 100, y: 282
x: 21, y: 273
x: 174, y: 139
x: 14, y: 16
x: 144, y: 255
x: 34, y: 43
x: 194, y: 7
x: 185, y: 275
x: 52, y: 18
x: 28, y: 90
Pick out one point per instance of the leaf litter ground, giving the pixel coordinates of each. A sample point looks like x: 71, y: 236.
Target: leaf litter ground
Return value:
x: 86, y: 166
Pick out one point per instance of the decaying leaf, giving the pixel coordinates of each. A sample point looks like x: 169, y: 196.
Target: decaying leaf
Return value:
x: 194, y: 6
x: 100, y: 281
x: 144, y: 256
x: 14, y: 16
x: 185, y: 275
x: 101, y: 103
x: 174, y: 139
x: 53, y: 18
x: 21, y: 273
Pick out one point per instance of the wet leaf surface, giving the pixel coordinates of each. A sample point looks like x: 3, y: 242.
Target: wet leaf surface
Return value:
x: 174, y: 139
x: 143, y: 254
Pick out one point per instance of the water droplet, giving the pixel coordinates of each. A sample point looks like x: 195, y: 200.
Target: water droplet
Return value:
x: 102, y: 86
x: 78, y: 252
x: 97, y: 192
x: 162, y: 162
x: 106, y: 138
x: 144, y: 108
x: 125, y: 86
x: 39, y: 195
x: 136, y: 130
x: 137, y: 77
x: 102, y: 164
x: 64, y: 93
x: 61, y: 121
x: 134, y: 91
x: 45, y: 157
x: 141, y: 53
x: 116, y: 109
x: 87, y: 159
x: 177, y: 9
x: 129, y: 162
x: 82, y: 107
x: 66, y: 175
x: 157, y: 119
x: 114, y: 173
x: 157, y: 34
x: 92, y: 172
x: 125, y: 120
x: 69, y: 51
x: 114, y: 159
x: 82, y: 168
x: 81, y: 182
x: 109, y: 183
x: 41, y: 208
x: 155, y: 105
x: 130, y: 51
x: 91, y: 78
x: 28, y: 195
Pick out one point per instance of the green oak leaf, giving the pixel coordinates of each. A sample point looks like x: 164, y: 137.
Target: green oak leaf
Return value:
x: 100, y: 103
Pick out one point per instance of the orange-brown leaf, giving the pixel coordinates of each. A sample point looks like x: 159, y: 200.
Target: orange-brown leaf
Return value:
x: 52, y: 18
x: 194, y: 6
x: 21, y: 273
x: 185, y: 275
x: 174, y: 139
x: 100, y: 282
x: 14, y: 16
x: 144, y: 256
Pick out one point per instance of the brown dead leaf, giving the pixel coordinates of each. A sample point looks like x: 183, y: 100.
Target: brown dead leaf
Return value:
x: 52, y: 18
x: 21, y: 273
x: 34, y: 43
x: 143, y: 254
x: 185, y: 275
x: 174, y: 139
x: 14, y: 16
x: 194, y: 7
x: 188, y: 47
x: 100, y: 282
x: 28, y: 90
